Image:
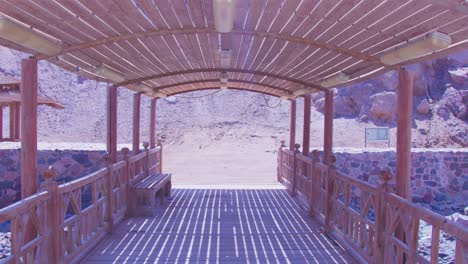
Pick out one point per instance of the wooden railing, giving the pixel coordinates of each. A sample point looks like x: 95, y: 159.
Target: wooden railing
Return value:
x: 62, y: 223
x: 375, y: 224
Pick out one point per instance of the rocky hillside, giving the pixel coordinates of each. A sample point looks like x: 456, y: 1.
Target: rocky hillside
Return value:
x: 440, y: 108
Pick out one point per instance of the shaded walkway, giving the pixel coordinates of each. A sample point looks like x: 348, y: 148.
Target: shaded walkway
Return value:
x: 222, y: 226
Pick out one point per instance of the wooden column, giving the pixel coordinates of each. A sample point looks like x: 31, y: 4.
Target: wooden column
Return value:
x: 292, y: 130
x: 29, y: 127
x: 152, y: 140
x: 17, y: 122
x: 136, y: 123
x: 328, y: 128
x: 306, y: 131
x: 1, y: 123
x: 404, y: 119
x: 12, y: 122
x: 112, y: 123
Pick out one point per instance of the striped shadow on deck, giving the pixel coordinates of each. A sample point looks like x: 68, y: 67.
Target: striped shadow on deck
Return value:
x: 221, y: 226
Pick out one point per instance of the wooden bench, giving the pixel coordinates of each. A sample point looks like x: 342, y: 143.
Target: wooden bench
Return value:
x: 143, y: 194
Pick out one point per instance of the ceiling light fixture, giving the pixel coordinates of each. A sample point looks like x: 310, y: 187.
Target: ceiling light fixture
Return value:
x: 428, y: 44
x: 33, y: 40
x: 107, y: 73
x: 225, y: 58
x: 302, y: 91
x: 339, y: 78
x: 224, y: 11
x: 145, y: 88
x: 159, y: 95
x: 223, y: 77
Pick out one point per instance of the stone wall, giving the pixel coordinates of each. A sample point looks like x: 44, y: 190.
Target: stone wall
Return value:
x: 69, y: 164
x: 439, y: 179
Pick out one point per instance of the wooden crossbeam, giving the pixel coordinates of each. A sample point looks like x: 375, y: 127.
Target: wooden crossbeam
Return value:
x: 267, y: 74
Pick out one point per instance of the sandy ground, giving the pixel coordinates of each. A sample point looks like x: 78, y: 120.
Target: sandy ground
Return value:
x: 199, y: 160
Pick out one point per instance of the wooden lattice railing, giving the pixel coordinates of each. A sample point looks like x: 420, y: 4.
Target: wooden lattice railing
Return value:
x: 375, y: 224
x: 62, y: 223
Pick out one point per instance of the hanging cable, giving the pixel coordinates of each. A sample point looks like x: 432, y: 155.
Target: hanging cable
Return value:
x: 196, y: 97
x: 268, y: 102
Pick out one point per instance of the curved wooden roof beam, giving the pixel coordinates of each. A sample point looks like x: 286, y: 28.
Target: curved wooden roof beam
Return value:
x: 230, y: 88
x: 162, y: 32
x: 281, y: 90
x: 272, y: 75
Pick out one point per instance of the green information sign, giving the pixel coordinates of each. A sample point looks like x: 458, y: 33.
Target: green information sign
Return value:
x: 377, y: 134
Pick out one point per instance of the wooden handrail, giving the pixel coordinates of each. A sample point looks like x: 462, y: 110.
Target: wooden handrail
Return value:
x: 64, y: 231
x: 370, y: 229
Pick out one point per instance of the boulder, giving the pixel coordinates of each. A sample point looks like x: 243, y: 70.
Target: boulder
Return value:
x: 459, y: 75
x: 453, y: 101
x: 423, y: 107
x: 389, y: 80
x: 345, y: 106
x: 384, y: 107
x: 171, y: 99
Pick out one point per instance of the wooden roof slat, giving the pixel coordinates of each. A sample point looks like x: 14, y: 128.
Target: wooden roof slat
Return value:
x: 301, y: 14
x: 14, y: 11
x: 361, y: 25
x: 77, y: 28
x: 330, y: 20
x: 85, y: 14
x: 254, y: 14
x: 195, y: 9
x: 269, y: 14
x: 314, y: 17
x: 101, y: 14
x: 361, y: 41
x: 180, y: 8
x: 268, y: 54
x: 286, y: 12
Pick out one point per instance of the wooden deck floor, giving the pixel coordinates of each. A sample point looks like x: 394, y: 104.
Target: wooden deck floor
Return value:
x: 221, y: 226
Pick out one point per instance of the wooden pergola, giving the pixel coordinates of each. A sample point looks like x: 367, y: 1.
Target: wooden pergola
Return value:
x: 10, y: 98
x: 289, y: 49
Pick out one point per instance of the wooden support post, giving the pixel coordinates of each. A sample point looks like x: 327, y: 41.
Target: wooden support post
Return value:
x: 160, y: 155
x: 146, y: 164
x: 29, y: 127
x: 125, y: 152
x: 328, y: 128
x: 17, y: 122
x: 306, y: 132
x: 280, y: 161
x: 54, y: 219
x: 1, y: 123
x: 152, y: 140
x: 292, y: 130
x: 136, y: 123
x: 330, y: 190
x: 404, y: 121
x: 112, y: 123
x: 12, y: 122
x: 110, y: 195
x: 295, y: 165
x: 380, y: 221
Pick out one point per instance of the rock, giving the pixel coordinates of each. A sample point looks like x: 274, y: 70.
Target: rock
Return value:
x: 384, y: 106
x: 320, y: 105
x: 460, y: 58
x: 459, y: 75
x: 453, y: 101
x: 389, y: 80
x: 423, y: 107
x: 345, y: 107
x: 171, y: 99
